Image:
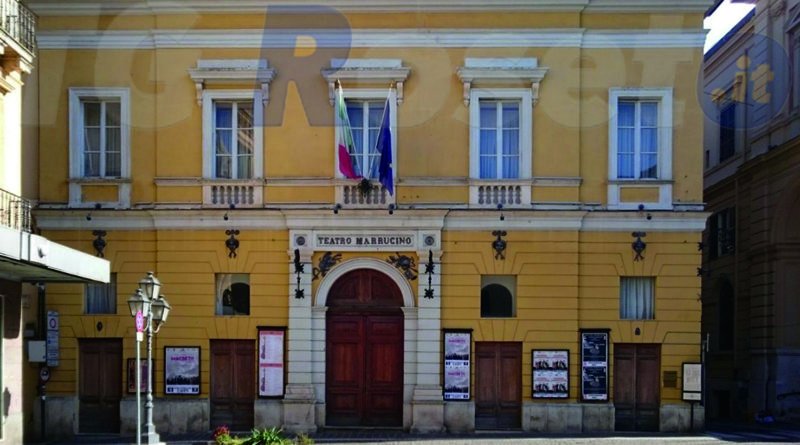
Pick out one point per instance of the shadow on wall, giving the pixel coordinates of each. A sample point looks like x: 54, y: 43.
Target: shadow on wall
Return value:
x: 12, y: 318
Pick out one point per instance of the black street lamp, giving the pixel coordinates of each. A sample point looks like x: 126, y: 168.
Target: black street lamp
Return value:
x: 155, y: 310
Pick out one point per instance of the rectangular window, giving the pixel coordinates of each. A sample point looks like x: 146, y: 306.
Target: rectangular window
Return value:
x: 637, y: 298
x: 499, y: 139
x: 101, y: 298
x: 365, y: 122
x: 234, y: 141
x: 637, y: 139
x: 727, y: 132
x: 233, y: 294
x: 722, y: 233
x: 102, y: 138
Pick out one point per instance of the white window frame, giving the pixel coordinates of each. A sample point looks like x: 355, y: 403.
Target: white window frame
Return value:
x: 363, y: 94
x: 76, y: 139
x: 525, y: 98
x: 209, y: 155
x: 662, y: 95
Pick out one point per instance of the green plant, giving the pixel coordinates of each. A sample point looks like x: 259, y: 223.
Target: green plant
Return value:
x: 272, y: 436
x: 302, y: 439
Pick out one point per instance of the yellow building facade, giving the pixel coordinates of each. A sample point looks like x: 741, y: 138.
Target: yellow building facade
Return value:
x: 547, y: 207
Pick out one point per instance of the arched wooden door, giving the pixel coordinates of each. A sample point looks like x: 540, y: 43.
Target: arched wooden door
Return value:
x: 364, y: 351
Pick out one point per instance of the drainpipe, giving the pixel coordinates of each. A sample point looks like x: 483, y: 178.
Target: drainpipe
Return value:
x: 42, y: 336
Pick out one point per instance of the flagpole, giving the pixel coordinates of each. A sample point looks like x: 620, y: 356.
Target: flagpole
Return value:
x: 383, y: 116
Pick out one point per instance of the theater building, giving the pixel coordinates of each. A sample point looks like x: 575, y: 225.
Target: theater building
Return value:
x: 544, y: 210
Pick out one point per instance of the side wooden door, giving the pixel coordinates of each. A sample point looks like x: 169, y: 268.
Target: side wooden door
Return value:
x: 344, y: 380
x: 637, y: 387
x: 498, y: 385
x: 100, y: 387
x: 233, y: 383
x: 383, y: 384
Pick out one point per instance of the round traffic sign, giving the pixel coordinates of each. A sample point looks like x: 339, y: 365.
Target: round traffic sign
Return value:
x: 139, y: 321
x: 44, y: 374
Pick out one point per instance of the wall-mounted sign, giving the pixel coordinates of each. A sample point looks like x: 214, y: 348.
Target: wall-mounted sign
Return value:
x: 270, y: 361
x: 181, y: 370
x: 692, y: 390
x: 132, y: 375
x: 365, y: 241
x: 594, y: 365
x: 550, y: 374
x: 457, y: 344
x: 52, y: 338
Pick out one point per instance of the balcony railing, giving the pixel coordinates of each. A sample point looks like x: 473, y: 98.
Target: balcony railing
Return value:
x: 508, y: 193
x: 19, y: 23
x: 352, y: 196
x: 15, y: 212
x: 234, y: 193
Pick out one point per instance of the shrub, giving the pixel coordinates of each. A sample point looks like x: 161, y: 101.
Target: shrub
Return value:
x: 272, y: 436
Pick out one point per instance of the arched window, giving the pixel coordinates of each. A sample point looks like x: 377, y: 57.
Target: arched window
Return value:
x: 233, y: 294
x: 497, y: 296
x: 727, y: 316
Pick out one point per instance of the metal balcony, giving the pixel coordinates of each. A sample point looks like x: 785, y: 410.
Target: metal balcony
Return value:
x: 19, y: 23
x: 15, y: 211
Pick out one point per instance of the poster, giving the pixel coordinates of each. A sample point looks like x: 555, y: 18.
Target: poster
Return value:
x: 270, y: 362
x: 131, y: 372
x: 456, y: 365
x: 182, y: 370
x: 594, y: 366
x: 550, y: 374
x: 692, y: 390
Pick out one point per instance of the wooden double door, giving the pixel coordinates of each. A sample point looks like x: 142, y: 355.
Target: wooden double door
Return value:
x: 637, y: 386
x: 233, y: 384
x: 364, y: 352
x: 100, y: 386
x: 498, y: 385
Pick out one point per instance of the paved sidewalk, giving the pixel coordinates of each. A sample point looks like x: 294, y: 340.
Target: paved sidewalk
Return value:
x: 384, y: 437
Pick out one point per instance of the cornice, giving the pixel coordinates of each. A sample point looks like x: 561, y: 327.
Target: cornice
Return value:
x: 97, y: 7
x: 431, y: 219
x: 372, y: 38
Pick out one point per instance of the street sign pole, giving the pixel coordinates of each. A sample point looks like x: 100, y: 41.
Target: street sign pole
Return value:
x: 139, y: 328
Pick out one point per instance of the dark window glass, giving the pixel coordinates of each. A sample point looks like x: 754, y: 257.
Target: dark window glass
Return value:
x: 727, y: 317
x: 727, y: 133
x: 496, y: 301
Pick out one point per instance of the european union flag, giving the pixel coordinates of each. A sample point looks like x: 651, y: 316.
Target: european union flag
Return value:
x: 384, y: 147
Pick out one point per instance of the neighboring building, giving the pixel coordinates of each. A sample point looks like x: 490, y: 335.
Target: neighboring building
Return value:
x: 579, y: 117
x: 751, y: 262
x: 27, y: 260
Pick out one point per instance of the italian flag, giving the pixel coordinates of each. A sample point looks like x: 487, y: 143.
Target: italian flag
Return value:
x: 345, y: 138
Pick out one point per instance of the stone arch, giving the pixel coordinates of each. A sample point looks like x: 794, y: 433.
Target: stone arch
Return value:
x: 321, y: 297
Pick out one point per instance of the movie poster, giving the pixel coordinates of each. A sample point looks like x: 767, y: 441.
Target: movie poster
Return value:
x: 550, y: 374
x: 456, y: 365
x: 132, y: 375
x: 594, y: 366
x: 182, y: 370
x: 270, y: 362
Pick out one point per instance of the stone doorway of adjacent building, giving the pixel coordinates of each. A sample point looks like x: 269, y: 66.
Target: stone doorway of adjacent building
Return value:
x: 364, y: 351
x: 498, y: 385
x: 233, y: 384
x: 100, y: 387
x: 637, y: 386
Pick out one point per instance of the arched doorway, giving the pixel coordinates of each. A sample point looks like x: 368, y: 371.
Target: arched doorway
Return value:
x: 364, y: 351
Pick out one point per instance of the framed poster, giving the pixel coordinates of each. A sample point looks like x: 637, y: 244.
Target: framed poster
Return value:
x: 181, y: 370
x: 692, y: 388
x: 594, y: 365
x: 457, y: 346
x: 270, y: 361
x: 131, y: 373
x: 550, y: 374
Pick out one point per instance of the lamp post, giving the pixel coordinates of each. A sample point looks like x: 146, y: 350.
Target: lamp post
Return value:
x: 155, y: 309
